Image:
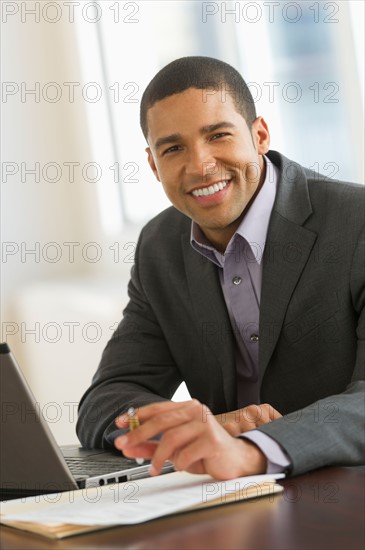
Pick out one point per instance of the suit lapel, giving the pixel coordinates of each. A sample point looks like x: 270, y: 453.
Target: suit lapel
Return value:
x: 286, y: 253
x: 212, y: 318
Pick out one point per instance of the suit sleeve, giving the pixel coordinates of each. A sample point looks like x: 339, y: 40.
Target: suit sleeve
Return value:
x: 128, y: 374
x: 331, y: 431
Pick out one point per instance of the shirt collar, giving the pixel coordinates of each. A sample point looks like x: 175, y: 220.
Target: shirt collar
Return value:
x: 253, y: 227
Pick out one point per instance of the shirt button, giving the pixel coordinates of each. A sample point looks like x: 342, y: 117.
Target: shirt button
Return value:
x: 254, y: 338
x: 236, y: 280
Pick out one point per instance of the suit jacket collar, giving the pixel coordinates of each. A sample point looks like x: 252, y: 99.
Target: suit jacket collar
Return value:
x: 292, y: 200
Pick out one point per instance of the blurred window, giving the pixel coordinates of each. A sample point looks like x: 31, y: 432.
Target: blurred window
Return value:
x: 302, y: 61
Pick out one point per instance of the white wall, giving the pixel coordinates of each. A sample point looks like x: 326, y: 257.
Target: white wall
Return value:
x: 38, y: 294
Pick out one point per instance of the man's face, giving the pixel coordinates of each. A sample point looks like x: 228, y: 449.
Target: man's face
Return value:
x: 209, y: 163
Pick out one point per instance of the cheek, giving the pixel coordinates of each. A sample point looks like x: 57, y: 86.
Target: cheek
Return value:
x: 252, y: 173
x: 170, y: 191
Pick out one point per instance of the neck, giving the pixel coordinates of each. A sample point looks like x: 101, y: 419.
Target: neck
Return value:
x: 220, y: 238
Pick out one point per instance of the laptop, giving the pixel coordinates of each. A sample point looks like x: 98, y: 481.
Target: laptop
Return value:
x: 31, y: 463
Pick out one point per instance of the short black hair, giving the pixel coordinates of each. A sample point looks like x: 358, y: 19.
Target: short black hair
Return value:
x: 203, y: 73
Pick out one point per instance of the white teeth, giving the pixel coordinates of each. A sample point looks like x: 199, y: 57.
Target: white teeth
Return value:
x: 211, y: 190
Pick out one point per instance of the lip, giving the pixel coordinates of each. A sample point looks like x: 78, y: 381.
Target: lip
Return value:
x: 211, y: 200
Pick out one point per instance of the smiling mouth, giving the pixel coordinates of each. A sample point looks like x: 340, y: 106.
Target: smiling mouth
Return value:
x: 211, y: 189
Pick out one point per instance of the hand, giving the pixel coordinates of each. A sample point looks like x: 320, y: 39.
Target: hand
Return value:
x: 248, y: 418
x: 192, y: 439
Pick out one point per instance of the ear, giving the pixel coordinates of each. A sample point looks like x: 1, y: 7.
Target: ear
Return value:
x: 151, y: 162
x: 261, y: 135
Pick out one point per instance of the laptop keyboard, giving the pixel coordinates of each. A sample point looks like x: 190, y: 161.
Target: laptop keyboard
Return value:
x: 90, y: 468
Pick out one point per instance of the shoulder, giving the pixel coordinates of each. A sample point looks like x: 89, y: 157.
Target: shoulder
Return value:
x: 344, y: 201
x: 327, y: 196
x: 320, y: 184
x: 292, y: 171
x: 167, y: 225
x: 165, y: 231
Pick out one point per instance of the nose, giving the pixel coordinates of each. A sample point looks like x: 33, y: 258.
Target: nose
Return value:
x: 200, y: 163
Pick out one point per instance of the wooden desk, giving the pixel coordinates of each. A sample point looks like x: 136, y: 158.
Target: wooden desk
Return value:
x: 320, y: 510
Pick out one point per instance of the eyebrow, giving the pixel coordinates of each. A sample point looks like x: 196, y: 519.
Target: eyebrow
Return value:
x: 217, y: 126
x: 167, y: 139
x: 204, y: 130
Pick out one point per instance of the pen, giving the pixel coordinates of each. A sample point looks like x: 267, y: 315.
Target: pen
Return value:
x: 133, y: 421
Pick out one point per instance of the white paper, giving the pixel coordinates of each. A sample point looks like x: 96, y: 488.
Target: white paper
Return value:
x: 130, y: 502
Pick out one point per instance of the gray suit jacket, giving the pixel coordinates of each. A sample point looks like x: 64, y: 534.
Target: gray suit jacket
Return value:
x: 312, y: 325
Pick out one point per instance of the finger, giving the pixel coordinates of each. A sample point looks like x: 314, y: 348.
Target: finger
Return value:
x: 144, y: 450
x: 161, y: 407
x: 192, y: 456
x: 222, y: 458
x: 268, y: 414
x: 122, y: 421
x: 273, y: 413
x: 186, y: 446
x: 163, y: 421
x: 252, y: 416
x: 233, y: 428
x: 173, y: 441
x: 197, y: 468
x: 148, y: 411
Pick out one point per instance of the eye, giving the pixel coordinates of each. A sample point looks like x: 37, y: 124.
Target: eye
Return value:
x: 221, y: 134
x: 171, y: 149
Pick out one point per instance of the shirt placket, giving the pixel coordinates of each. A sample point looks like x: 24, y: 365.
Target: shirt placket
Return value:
x: 243, y: 306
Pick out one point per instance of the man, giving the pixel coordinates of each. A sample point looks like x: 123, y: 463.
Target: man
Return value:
x: 251, y: 289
